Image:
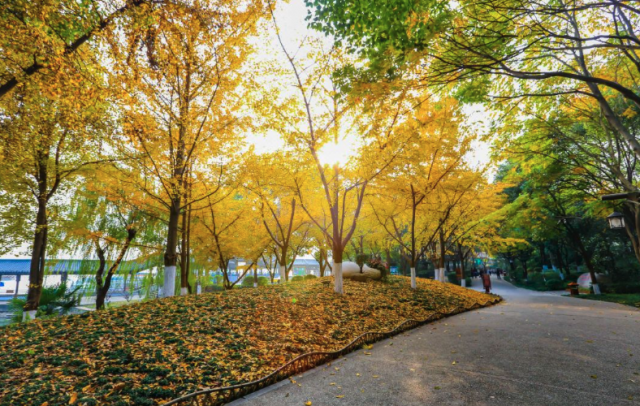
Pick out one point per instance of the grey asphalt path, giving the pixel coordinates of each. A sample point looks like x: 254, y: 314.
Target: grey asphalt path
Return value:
x: 532, y: 349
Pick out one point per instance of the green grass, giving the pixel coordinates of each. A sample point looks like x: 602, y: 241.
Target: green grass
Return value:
x: 538, y: 287
x: 629, y: 299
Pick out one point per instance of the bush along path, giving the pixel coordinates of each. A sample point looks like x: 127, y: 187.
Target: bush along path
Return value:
x: 150, y: 353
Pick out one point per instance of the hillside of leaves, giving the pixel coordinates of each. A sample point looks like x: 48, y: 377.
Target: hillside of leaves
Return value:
x: 147, y: 353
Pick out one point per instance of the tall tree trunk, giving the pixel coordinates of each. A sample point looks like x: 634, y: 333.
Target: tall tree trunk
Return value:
x: 412, y: 258
x: 184, y: 257
x: 178, y: 177
x: 100, y: 275
x: 188, y: 267
x: 442, y: 257
x: 337, y: 268
x: 255, y: 275
x: 321, y: 263
x: 284, y: 277
x: 170, y: 256
x: 38, y: 251
x: 463, y: 281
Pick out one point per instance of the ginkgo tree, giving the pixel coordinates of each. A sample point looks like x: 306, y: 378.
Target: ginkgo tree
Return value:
x: 271, y: 178
x: 430, y: 159
x: 318, y: 122
x: 227, y: 229
x: 43, y: 39
x: 46, y: 142
x: 179, y: 80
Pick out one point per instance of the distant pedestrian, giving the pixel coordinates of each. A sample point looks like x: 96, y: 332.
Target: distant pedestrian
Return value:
x: 486, y: 281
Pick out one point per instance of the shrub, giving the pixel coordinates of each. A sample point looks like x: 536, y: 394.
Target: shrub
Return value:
x: 468, y: 281
x: 361, y: 259
x: 247, y: 281
x: 213, y: 288
x: 310, y: 276
x: 54, y: 300
x: 518, y: 275
x: 624, y: 288
x: 536, y: 278
x: 453, y: 278
x: 551, y: 276
x: 555, y: 284
x: 297, y: 278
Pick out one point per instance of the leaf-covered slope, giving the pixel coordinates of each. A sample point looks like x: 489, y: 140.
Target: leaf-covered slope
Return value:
x: 149, y: 352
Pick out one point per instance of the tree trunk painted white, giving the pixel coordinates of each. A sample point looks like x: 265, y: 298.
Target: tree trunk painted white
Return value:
x: 198, y: 289
x: 255, y: 284
x: 337, y: 277
x: 442, y: 278
x: 169, y: 286
x: 282, y: 272
x: 29, y: 315
x: 596, y: 289
x: 463, y: 283
x: 184, y: 291
x: 413, y: 278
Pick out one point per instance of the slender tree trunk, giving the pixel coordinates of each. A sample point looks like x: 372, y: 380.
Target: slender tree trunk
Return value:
x: 100, y: 276
x: 414, y: 206
x: 103, y: 289
x: 188, y: 266
x: 337, y: 269
x: 184, y: 257
x: 414, y: 284
x: 321, y: 263
x: 178, y: 177
x: 170, y: 256
x: 463, y: 281
x: 255, y: 275
x: 442, y: 257
x: 38, y: 251
x: 283, y: 273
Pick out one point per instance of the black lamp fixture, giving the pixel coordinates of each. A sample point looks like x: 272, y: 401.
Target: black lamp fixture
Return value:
x: 616, y: 220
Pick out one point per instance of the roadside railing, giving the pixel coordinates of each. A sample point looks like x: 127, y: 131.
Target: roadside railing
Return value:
x: 304, y: 362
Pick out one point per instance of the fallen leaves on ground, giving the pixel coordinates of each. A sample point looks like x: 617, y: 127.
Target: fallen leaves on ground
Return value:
x: 148, y: 353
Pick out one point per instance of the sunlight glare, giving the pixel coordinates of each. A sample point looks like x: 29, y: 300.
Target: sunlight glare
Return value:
x: 333, y: 153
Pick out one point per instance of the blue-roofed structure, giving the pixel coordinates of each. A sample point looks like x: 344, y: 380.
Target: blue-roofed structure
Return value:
x: 69, y: 266
x: 19, y: 268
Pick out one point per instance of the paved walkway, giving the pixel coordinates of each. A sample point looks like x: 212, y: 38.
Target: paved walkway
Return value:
x: 533, y: 349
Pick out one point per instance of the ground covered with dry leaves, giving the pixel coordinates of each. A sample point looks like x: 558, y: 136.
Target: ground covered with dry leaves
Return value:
x: 148, y: 353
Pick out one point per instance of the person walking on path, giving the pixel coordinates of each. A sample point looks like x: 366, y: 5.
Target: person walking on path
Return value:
x: 486, y: 281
